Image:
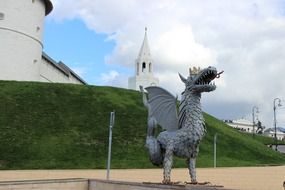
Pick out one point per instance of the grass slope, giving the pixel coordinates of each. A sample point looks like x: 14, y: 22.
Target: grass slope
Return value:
x: 66, y: 126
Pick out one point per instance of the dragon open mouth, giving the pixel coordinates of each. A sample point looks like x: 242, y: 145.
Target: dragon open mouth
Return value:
x: 207, y: 76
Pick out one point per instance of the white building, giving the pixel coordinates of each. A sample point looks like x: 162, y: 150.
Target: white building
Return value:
x: 143, y: 68
x: 270, y: 132
x: 21, y: 46
x: 241, y: 124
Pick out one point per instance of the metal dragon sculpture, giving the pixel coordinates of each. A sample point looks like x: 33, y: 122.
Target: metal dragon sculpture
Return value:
x: 184, y: 130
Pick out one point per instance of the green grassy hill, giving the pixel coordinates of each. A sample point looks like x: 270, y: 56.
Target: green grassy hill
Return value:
x: 66, y: 126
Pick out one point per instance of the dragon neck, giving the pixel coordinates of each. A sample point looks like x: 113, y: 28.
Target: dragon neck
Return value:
x: 194, y: 120
x: 193, y: 103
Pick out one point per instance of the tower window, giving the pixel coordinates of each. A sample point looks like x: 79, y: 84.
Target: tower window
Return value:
x: 150, y: 68
x: 1, y: 16
x: 143, y: 66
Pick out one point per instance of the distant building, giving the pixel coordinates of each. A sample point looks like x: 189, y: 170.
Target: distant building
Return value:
x: 241, y: 124
x: 280, y: 134
x: 21, y: 46
x: 143, y: 68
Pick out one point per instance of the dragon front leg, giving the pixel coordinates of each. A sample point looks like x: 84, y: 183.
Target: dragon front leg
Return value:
x: 192, y: 169
x: 167, y: 164
x: 192, y: 164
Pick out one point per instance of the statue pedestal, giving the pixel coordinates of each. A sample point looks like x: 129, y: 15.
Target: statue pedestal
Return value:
x: 96, y: 184
x: 121, y: 185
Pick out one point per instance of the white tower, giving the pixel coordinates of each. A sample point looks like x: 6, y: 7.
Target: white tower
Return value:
x: 143, y: 68
x: 21, y: 29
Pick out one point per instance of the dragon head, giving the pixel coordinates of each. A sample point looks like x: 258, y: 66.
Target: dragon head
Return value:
x: 201, y: 81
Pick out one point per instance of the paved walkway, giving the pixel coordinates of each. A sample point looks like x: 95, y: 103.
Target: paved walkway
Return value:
x: 245, y: 178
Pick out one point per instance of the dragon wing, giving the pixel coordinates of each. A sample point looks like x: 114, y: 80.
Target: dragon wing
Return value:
x: 162, y: 106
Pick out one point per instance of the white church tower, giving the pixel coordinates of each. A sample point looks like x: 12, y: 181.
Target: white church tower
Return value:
x: 21, y: 31
x: 143, y: 68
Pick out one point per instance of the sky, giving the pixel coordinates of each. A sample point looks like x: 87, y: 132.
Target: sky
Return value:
x: 100, y: 40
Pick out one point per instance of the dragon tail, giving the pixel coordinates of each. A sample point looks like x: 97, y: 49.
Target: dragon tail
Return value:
x: 152, y: 144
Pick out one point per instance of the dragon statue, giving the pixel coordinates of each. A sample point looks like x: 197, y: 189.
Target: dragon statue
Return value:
x: 183, y: 131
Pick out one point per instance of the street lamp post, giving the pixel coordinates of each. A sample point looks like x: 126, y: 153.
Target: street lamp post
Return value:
x: 215, y: 150
x: 254, y: 110
x: 274, y: 111
x: 112, y: 123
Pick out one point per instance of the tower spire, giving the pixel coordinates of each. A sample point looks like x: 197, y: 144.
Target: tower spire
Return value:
x: 143, y: 67
x: 144, y: 51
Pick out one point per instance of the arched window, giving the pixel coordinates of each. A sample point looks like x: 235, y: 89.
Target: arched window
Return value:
x: 149, y: 68
x: 143, y: 66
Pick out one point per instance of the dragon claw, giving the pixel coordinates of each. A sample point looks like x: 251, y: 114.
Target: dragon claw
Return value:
x: 168, y: 182
x: 197, y: 183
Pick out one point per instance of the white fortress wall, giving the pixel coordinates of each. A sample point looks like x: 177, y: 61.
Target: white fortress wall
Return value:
x: 53, y: 72
x: 21, y: 26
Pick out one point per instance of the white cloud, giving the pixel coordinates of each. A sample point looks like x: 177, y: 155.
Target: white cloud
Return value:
x: 244, y: 38
x: 176, y: 49
x: 113, y: 78
x: 109, y: 77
